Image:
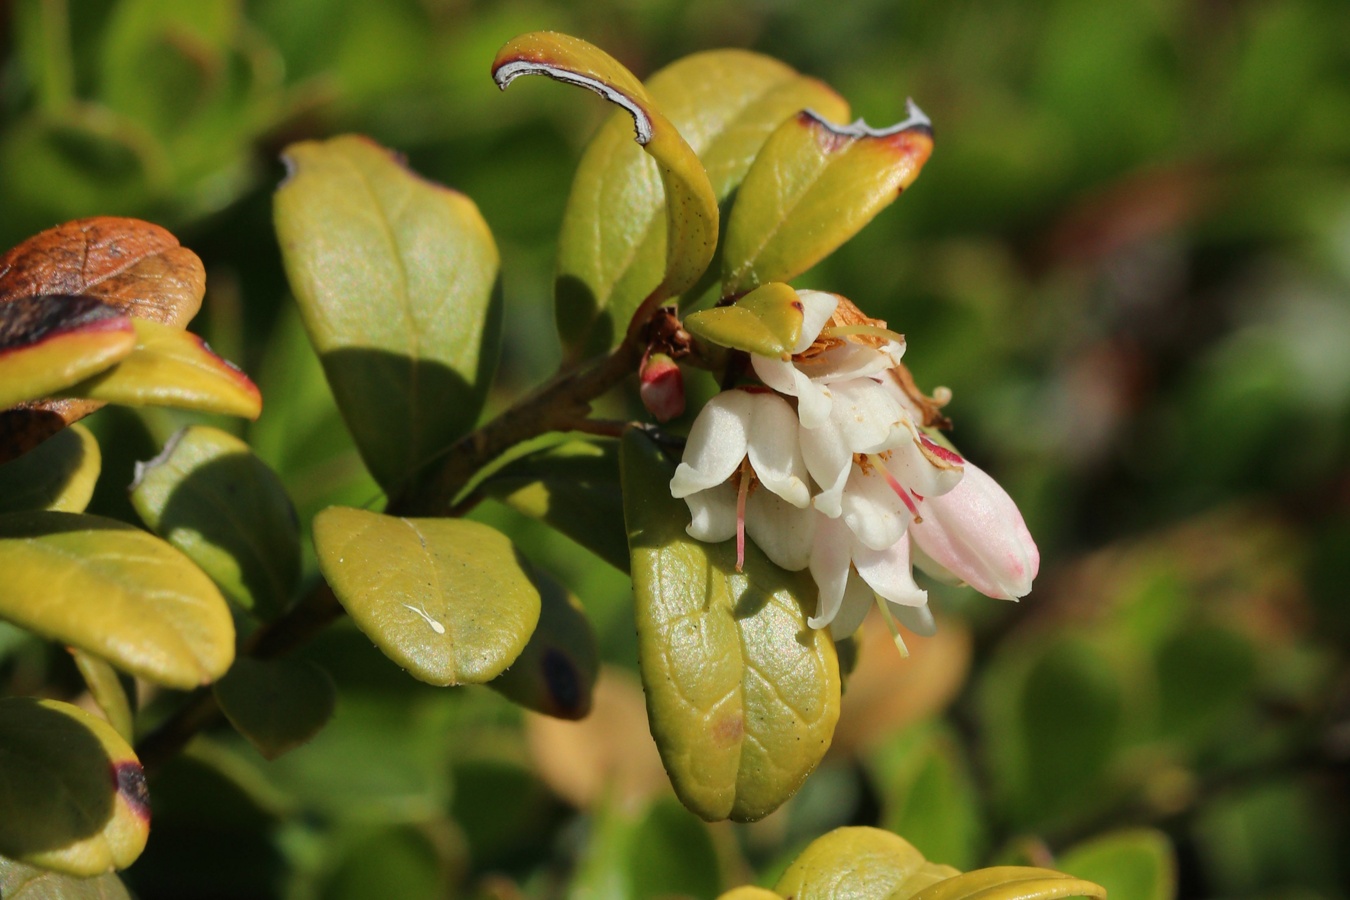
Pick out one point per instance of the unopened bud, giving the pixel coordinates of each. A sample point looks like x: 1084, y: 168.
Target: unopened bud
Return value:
x: 661, y: 387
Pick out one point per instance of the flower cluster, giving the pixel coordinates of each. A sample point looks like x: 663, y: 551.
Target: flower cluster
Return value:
x: 828, y: 465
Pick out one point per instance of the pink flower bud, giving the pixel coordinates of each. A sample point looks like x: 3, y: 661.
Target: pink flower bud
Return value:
x: 661, y: 387
x: 975, y: 533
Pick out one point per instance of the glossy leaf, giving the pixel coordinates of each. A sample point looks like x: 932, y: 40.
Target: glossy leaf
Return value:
x: 58, y: 474
x: 811, y: 188
x: 1010, y: 883
x: 106, y: 689
x: 691, y: 217
x: 277, y: 704
x: 750, y: 892
x: 1131, y: 865
x: 743, y: 695
x: 209, y: 496
x: 574, y: 487
x: 396, y: 280
x: 612, y: 248
x: 21, y: 882
x: 51, y: 342
x: 767, y: 321
x: 72, y: 793
x: 859, y: 864
x: 137, y: 268
x: 116, y: 592
x: 171, y: 367
x: 555, y: 673
x: 446, y: 599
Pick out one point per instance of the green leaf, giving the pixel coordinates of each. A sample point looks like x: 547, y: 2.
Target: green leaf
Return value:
x: 750, y: 892
x: 859, y: 864
x: 767, y: 321
x: 116, y: 592
x: 810, y: 189
x: 277, y: 704
x: 555, y: 673
x: 58, y: 474
x: 743, y: 696
x: 446, y: 599
x: 401, y: 861
x: 613, y: 244
x: 927, y: 792
x: 1131, y: 865
x: 209, y: 496
x: 51, y: 342
x: 21, y: 882
x: 72, y: 793
x: 574, y: 487
x: 396, y: 281
x: 691, y: 206
x: 1010, y: 883
x: 658, y: 852
x: 106, y: 688
x: 172, y: 367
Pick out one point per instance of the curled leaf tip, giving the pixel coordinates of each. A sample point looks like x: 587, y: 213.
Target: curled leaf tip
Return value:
x: 507, y: 72
x: 915, y: 120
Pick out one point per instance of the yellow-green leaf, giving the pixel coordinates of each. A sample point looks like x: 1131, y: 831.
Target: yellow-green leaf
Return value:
x: 396, y: 280
x: 72, y: 793
x: 750, y: 892
x: 105, y: 687
x: 612, y: 247
x: 21, y: 882
x: 172, y: 367
x: 212, y: 498
x: 117, y: 592
x: 51, y: 342
x: 691, y: 218
x: 859, y: 864
x: 767, y: 321
x: 446, y: 599
x: 58, y: 474
x: 812, y: 187
x: 1011, y: 883
x: 555, y: 673
x: 742, y: 695
x: 1135, y: 864
x: 277, y: 704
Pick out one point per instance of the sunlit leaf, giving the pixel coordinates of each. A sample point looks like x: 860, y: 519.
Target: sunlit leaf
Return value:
x: 134, y: 266
x: 767, y: 321
x: 117, y: 592
x: 574, y: 487
x: 743, y: 695
x: 1130, y: 865
x: 21, y: 882
x: 555, y: 673
x: 446, y: 599
x: 106, y: 689
x: 396, y: 280
x: 613, y: 246
x: 277, y: 704
x: 171, y: 367
x: 859, y: 864
x: 51, y: 342
x: 59, y: 474
x: 750, y: 892
x: 812, y: 187
x: 1010, y: 883
x: 209, y: 496
x: 691, y: 205
x: 72, y: 793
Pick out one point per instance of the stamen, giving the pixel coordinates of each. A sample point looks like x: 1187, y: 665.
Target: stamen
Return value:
x: 890, y: 624
x: 742, y: 491
x: 898, y: 488
x: 840, y: 331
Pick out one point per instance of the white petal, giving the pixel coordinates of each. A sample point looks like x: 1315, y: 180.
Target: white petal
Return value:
x: 918, y: 619
x: 713, y: 514
x: 774, y: 451
x: 858, y: 601
x: 784, y: 532
x: 922, y: 466
x: 887, y: 572
x: 829, y: 567
x: 828, y: 459
x: 778, y: 374
x: 817, y: 307
x: 813, y: 400
x: 855, y: 360
x: 873, y: 511
x: 716, y: 445
x: 865, y: 414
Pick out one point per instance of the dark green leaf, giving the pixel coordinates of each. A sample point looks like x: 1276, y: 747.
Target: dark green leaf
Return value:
x: 277, y: 704
x: 555, y: 673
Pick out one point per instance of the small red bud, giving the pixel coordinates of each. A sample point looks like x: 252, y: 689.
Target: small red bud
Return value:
x: 661, y: 387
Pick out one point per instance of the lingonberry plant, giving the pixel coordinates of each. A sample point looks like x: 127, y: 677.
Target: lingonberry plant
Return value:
x: 803, y: 495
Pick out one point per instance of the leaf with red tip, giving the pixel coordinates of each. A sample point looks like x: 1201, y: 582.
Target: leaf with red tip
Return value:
x: 51, y: 342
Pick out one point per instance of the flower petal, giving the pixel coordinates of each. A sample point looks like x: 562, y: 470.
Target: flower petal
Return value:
x: 716, y: 445
x: 887, y: 572
x: 817, y: 307
x: 866, y: 415
x: 873, y: 511
x: 922, y: 466
x: 713, y: 512
x: 813, y: 400
x: 829, y: 460
x: 784, y: 532
x: 858, y: 601
x: 829, y: 567
x: 918, y: 619
x: 774, y: 451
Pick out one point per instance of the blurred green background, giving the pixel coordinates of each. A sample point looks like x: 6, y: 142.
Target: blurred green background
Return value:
x: 1129, y: 258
